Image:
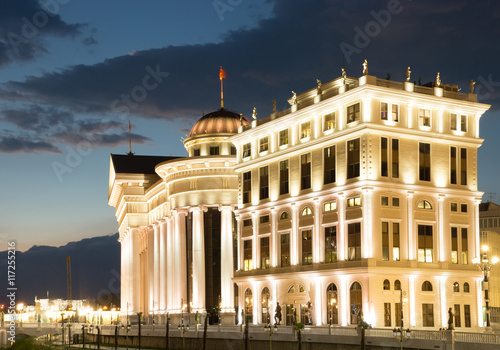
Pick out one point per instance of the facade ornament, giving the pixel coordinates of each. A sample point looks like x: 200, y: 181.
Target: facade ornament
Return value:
x: 294, y: 98
x: 319, y: 91
x: 344, y: 76
x: 408, y: 72
x: 365, y: 67
x: 254, y: 113
x: 274, y: 106
x: 472, y: 83
x: 438, y: 80
x: 241, y: 119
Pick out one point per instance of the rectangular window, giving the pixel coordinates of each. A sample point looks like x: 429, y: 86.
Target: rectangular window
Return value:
x: 428, y: 315
x: 424, y: 115
x: 284, y: 177
x: 385, y: 241
x: 264, y: 144
x: 395, y: 201
x: 264, y: 253
x: 453, y: 165
x: 454, y: 245
x: 384, y: 157
x: 395, y: 158
x: 305, y: 130
x: 329, y: 206
x: 384, y: 110
x: 456, y: 315
x: 395, y: 113
x: 247, y: 222
x: 463, y: 208
x: 454, y: 207
x: 353, y: 113
x: 395, y: 241
x: 329, y: 164
x: 353, y: 156
x: 398, y: 314
x: 307, y: 247
x: 465, y: 245
x: 467, y: 315
x: 463, y: 166
x: 247, y: 187
x: 463, y: 123
x: 247, y: 150
x: 197, y: 152
x: 305, y: 171
x: 233, y: 151
x: 330, y: 244
x: 214, y: 150
x: 354, y: 202
x: 424, y: 161
x: 247, y: 254
x: 329, y: 122
x: 264, y: 219
x: 264, y: 182
x: 285, y: 250
x: 453, y: 122
x: 387, y: 314
x: 425, y: 244
x: 284, y: 137
x: 354, y: 241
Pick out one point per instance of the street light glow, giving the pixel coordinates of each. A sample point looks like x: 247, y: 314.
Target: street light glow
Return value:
x: 494, y: 260
x: 484, y: 248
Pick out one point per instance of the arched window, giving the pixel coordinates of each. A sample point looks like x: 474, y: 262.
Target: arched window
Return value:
x: 466, y: 287
x: 266, y: 313
x: 306, y: 211
x: 424, y: 205
x: 456, y: 287
x: 387, y: 285
x: 355, y: 295
x: 427, y: 286
x: 248, y: 305
x: 284, y: 216
x: 397, y: 285
x: 332, y: 309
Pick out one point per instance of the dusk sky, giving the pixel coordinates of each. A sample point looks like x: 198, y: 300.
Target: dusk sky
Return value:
x: 74, y: 72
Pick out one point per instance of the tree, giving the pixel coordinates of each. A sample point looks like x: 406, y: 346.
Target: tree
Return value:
x: 299, y: 327
x: 139, y: 316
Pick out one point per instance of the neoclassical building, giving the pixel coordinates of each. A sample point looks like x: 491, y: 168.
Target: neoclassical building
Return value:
x: 176, y: 224
x: 361, y: 199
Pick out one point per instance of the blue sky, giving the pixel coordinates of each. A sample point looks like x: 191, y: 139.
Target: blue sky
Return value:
x: 61, y: 85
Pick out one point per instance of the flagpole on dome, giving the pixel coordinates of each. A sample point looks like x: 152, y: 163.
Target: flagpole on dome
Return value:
x: 222, y: 75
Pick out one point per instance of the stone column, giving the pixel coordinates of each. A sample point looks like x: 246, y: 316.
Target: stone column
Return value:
x: 294, y: 237
x: 342, y: 247
x: 227, y: 290
x: 411, y: 238
x: 124, y: 277
x: 180, y: 270
x: 273, y: 242
x: 163, y: 287
x: 198, y: 260
x: 150, y: 268
x: 317, y: 233
x: 134, y: 266
x: 156, y: 266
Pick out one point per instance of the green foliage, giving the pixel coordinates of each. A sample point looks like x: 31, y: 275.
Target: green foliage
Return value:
x: 363, y: 324
x: 299, y: 326
x: 29, y: 343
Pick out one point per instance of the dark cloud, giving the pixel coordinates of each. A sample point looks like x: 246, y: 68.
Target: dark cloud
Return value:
x: 299, y: 43
x: 13, y: 144
x: 25, y: 23
x: 89, y: 41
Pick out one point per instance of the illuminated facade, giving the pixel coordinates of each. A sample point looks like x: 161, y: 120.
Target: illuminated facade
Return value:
x: 362, y: 190
x: 176, y: 225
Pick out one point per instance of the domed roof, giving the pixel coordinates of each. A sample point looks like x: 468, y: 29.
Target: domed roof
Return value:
x: 219, y: 122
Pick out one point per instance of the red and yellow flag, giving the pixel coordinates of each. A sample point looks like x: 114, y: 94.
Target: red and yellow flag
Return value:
x: 222, y: 74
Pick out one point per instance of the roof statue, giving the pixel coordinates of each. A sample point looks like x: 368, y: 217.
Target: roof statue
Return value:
x: 344, y: 76
x: 408, y: 72
x: 472, y: 83
x: 319, y: 92
x: 388, y: 77
x: 438, y: 80
x: 254, y: 113
x: 294, y: 98
x: 365, y: 67
x: 274, y: 106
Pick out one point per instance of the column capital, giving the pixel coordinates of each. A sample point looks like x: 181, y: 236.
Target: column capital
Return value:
x: 179, y: 211
x: 441, y: 197
x: 367, y: 189
x: 199, y: 208
x: 341, y: 195
x: 223, y: 207
x: 410, y: 194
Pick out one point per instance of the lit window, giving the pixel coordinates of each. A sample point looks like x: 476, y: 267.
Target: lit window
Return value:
x: 397, y: 285
x: 284, y: 177
x: 329, y: 122
x: 353, y: 158
x: 330, y: 244
x: 284, y: 216
x: 354, y: 202
x: 247, y: 255
x: 384, y: 110
x: 428, y: 315
x: 307, y: 247
x: 285, y: 250
x: 424, y: 161
x: 385, y: 201
x: 247, y: 150
x: 458, y: 122
x: 330, y: 206
x: 424, y: 205
x: 387, y: 285
x: 264, y: 144
x: 305, y: 130
x: 264, y: 253
x: 425, y: 243
x: 353, y: 113
x: 424, y: 115
x: 387, y: 110
x: 306, y: 211
x: 456, y: 287
x: 284, y: 137
x: 305, y: 171
x: 354, y: 241
x: 454, y: 207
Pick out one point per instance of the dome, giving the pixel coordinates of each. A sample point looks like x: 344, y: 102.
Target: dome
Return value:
x: 221, y: 121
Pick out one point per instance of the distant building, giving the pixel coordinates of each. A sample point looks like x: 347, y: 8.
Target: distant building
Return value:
x: 364, y: 191
x: 489, y: 223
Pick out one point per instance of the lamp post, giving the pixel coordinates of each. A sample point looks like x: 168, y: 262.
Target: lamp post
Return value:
x: 270, y: 329
x: 182, y: 327
x: 485, y: 266
x: 91, y: 327
x: 128, y: 329
x: 400, y: 333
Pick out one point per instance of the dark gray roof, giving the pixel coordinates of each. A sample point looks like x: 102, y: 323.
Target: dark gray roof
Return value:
x: 132, y: 164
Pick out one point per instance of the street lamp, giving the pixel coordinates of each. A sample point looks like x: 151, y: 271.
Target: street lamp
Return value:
x: 485, y: 266
x: 182, y: 327
x: 269, y: 329
x: 128, y: 329
x: 400, y: 333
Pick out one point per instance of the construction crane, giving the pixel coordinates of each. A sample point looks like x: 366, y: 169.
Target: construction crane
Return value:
x: 68, y: 276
